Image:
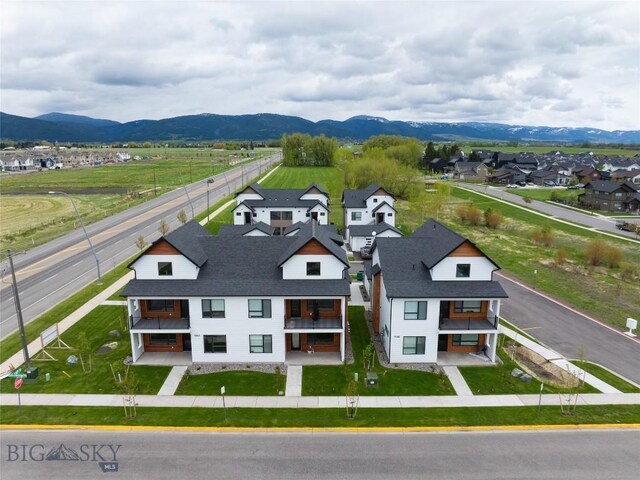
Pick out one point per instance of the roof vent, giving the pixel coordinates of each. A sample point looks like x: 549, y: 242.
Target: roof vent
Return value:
x: 413, y: 267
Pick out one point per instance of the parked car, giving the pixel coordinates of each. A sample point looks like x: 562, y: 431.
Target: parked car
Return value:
x: 365, y: 253
x: 512, y: 185
x: 549, y: 183
x: 626, y: 226
x: 521, y: 184
x: 575, y: 187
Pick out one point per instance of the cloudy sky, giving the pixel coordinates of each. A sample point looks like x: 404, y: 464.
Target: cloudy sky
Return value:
x: 545, y: 63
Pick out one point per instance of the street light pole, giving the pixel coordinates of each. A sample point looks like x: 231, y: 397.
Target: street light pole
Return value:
x: 193, y: 215
x: 23, y: 338
x: 85, y: 232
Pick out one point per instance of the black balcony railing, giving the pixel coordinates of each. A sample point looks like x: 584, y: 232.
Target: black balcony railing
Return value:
x: 301, y: 323
x: 159, y: 323
x: 469, y: 323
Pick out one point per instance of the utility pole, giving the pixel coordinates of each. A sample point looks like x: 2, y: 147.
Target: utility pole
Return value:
x: 16, y: 297
x: 190, y: 173
x: 155, y: 185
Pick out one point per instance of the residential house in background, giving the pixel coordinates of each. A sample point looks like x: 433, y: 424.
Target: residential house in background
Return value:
x: 433, y: 292
x: 280, y: 208
x: 370, y: 207
x: 239, y: 299
x: 611, y: 196
x: 471, y: 171
x: 632, y: 176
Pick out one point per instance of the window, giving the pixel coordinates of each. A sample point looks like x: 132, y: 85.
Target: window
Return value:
x: 165, y: 269
x: 275, y: 215
x: 259, y: 308
x: 321, y: 305
x: 160, y: 306
x: 465, y: 340
x: 238, y: 214
x: 356, y: 216
x: 463, y: 270
x: 163, y: 339
x: 469, y: 306
x: 213, y: 308
x: 389, y: 214
x: 313, y: 269
x: 215, y: 343
x: 322, y: 214
x: 260, y: 344
x: 415, y: 310
x: 413, y: 345
x: 320, y: 338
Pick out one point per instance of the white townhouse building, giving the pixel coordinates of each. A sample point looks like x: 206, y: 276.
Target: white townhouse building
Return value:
x: 433, y: 292
x: 280, y: 208
x: 368, y: 213
x: 240, y: 298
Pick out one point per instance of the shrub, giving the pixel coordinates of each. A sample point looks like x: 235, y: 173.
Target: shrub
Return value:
x: 628, y: 272
x: 461, y: 212
x: 542, y: 236
x: 596, y: 252
x: 492, y: 218
x: 613, y: 256
x: 474, y: 215
x: 561, y: 256
x: 555, y: 196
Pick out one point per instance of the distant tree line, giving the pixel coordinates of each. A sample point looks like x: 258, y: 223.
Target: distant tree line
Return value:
x: 431, y: 152
x: 302, y: 150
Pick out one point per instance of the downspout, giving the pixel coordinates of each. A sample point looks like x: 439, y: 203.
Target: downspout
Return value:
x: 390, y: 326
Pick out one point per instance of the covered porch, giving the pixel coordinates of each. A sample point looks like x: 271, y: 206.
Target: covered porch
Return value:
x: 150, y: 314
x: 315, y: 358
x: 172, y: 359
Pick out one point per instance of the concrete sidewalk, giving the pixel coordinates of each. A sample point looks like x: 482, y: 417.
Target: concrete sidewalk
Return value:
x: 457, y: 380
x: 559, y: 360
x: 294, y: 381
x: 172, y: 381
x: 34, y: 347
x: 443, y: 401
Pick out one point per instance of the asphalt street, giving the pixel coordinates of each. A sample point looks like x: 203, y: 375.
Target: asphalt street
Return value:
x: 565, y: 331
x: 513, y: 455
x: 50, y: 273
x: 600, y: 223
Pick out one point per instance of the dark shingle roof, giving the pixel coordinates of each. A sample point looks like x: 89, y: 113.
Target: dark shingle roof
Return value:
x: 380, y: 206
x: 242, y: 266
x: 304, y: 228
x: 240, y: 230
x: 319, y: 234
x: 358, y: 198
x: 367, y: 230
x: 185, y: 240
x: 405, y: 264
x: 607, y: 185
x: 282, y: 197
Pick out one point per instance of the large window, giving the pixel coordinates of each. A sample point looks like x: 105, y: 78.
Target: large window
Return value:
x: 215, y: 343
x: 415, y: 310
x: 165, y: 269
x: 466, y: 339
x: 213, y: 308
x: 413, y: 345
x: 275, y: 215
x: 313, y: 269
x: 463, y: 270
x: 321, y: 304
x: 356, y: 216
x: 260, y: 344
x: 259, y: 308
x: 468, y: 306
x: 163, y: 339
x: 320, y: 338
x: 160, y: 306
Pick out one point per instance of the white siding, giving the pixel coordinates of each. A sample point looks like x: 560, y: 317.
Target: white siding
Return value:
x: 371, y: 203
x: 146, y: 267
x: 414, y: 328
x: 358, y: 242
x: 298, y: 214
x: 296, y: 267
x: 247, y: 196
x: 256, y: 233
x: 239, y: 219
x: 481, y: 268
x: 315, y: 196
x: 365, y: 216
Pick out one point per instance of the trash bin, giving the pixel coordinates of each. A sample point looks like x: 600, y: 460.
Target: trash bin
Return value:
x: 360, y: 275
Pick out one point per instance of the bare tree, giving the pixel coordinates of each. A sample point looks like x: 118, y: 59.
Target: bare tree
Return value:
x: 163, y: 228
x: 141, y: 243
x: 182, y: 217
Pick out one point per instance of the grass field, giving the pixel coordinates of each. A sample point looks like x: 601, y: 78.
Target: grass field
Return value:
x: 322, y: 417
x: 546, y: 149
x: 606, y: 376
x: 543, y: 194
x: 72, y: 379
x: 235, y: 383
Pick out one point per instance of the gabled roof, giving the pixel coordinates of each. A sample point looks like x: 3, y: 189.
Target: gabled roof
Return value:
x: 321, y: 236
x: 254, y: 186
x: 369, y: 230
x: 608, y: 186
x: 380, y: 205
x: 314, y: 185
x: 304, y: 228
x: 185, y: 240
x: 280, y: 197
x: 240, y: 230
x: 358, y: 198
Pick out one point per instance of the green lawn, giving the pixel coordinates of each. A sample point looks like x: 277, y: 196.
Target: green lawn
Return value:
x: 543, y: 194
x: 235, y: 383
x: 71, y: 378
x: 320, y: 380
x: 606, y: 376
x: 322, y: 417
x: 497, y: 380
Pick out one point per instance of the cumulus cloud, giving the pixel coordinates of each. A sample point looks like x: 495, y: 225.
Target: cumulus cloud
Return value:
x: 567, y: 64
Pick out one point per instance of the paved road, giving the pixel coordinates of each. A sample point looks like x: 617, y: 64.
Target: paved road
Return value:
x: 50, y: 273
x: 565, y: 331
x: 580, y: 455
x: 600, y: 223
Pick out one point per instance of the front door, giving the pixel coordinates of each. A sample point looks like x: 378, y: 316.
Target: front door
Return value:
x: 295, y: 309
x: 295, y: 341
x: 314, y: 216
x: 443, y: 342
x: 379, y: 217
x: 247, y: 218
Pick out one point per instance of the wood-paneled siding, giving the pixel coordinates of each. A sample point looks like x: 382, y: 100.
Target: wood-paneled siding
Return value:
x: 313, y: 247
x: 162, y: 248
x: 467, y: 249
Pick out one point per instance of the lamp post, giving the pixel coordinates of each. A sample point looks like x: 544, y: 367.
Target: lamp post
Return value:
x: 84, y: 230
x: 193, y: 215
x: 16, y: 297
x: 209, y: 182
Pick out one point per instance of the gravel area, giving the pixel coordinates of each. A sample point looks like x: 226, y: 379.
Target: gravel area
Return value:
x: 204, y: 368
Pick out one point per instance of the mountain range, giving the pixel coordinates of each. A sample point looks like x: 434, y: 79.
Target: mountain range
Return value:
x: 64, y: 127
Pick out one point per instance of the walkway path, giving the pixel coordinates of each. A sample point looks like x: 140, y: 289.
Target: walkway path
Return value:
x: 443, y: 401
x: 356, y: 295
x: 294, y: 381
x: 457, y: 380
x: 174, y: 378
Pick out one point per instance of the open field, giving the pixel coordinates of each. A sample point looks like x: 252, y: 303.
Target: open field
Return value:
x: 630, y: 152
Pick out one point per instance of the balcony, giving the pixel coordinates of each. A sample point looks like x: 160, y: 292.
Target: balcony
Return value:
x: 321, y: 323
x: 469, y: 323
x: 158, y: 323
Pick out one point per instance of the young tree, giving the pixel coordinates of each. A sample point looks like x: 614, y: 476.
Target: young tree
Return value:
x: 163, y: 228
x: 596, y: 252
x: 182, y: 217
x: 561, y: 256
x: 474, y: 156
x: 492, y: 218
x: 141, y: 243
x: 84, y: 352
